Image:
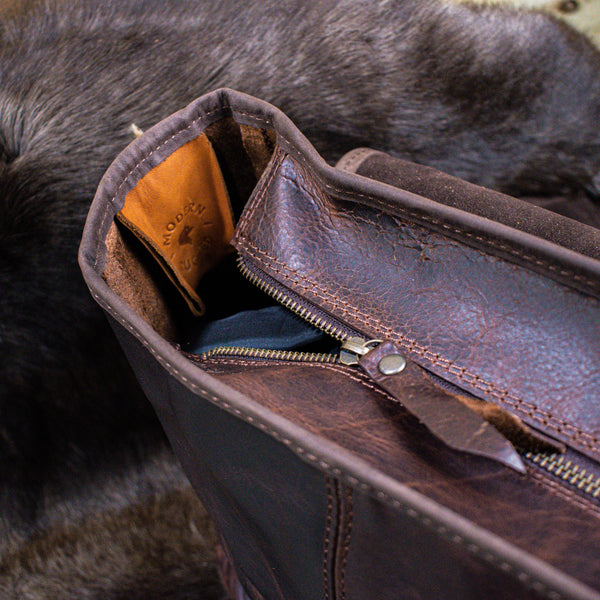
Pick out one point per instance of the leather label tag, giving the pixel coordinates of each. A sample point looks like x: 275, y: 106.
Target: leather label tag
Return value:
x: 180, y: 211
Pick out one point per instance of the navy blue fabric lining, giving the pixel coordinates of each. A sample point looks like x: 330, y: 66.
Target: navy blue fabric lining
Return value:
x: 272, y: 328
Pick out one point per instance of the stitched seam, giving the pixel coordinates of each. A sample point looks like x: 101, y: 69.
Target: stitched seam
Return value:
x: 392, y: 207
x: 312, y: 459
x: 316, y: 194
x: 451, y: 240
x: 150, y: 153
x: 327, y: 544
x: 315, y: 289
x: 538, y: 479
x: 340, y: 369
x: 366, y: 318
x: 338, y: 534
x: 282, y: 270
x: 501, y: 395
x: 565, y: 494
x: 347, y: 537
x: 395, y: 209
x: 325, y: 466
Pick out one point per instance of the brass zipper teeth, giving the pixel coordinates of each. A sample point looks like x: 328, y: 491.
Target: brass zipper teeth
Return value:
x: 302, y: 311
x: 554, y: 464
x: 573, y: 474
x: 287, y: 355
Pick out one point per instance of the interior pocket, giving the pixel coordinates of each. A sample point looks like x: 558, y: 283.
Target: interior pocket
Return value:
x: 169, y: 252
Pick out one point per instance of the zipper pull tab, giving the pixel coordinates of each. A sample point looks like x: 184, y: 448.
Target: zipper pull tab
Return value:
x: 444, y: 415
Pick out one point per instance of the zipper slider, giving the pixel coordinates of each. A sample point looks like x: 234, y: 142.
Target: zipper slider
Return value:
x: 354, y: 347
x: 438, y: 409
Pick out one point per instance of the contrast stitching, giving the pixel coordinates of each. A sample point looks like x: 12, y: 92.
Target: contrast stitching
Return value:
x: 395, y: 209
x: 526, y: 408
x: 321, y: 464
x: 300, y: 451
x: 327, y: 543
x: 306, y: 284
x: 538, y: 479
x: 149, y: 154
x: 263, y: 258
x: 346, y: 544
x: 317, y: 195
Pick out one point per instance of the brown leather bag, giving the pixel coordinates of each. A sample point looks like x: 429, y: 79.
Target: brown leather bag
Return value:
x: 420, y: 420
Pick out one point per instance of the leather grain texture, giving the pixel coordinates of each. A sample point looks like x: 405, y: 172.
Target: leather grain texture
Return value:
x: 440, y: 411
x: 322, y: 486
x: 496, y: 329
x: 523, y: 215
x: 341, y: 404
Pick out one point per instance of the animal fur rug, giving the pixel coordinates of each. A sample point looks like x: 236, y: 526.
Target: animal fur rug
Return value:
x: 92, y: 503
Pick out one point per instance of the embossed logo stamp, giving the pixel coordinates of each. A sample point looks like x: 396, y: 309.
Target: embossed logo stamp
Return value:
x: 180, y: 210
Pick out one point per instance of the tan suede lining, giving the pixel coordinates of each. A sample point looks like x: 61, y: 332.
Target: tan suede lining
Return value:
x: 128, y: 276
x: 180, y: 211
x: 259, y: 145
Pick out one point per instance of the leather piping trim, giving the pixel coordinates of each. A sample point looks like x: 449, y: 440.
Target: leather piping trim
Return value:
x: 321, y: 454
x: 333, y: 179
x: 453, y: 528
x: 527, y: 410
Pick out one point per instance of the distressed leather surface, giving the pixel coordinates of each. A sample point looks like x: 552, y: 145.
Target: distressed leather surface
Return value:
x: 295, y: 533
x: 303, y: 517
x: 532, y: 511
x: 439, y: 410
x: 497, y: 329
x: 522, y: 214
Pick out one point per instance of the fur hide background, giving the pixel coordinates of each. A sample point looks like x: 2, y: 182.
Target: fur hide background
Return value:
x: 583, y: 15
x: 92, y: 503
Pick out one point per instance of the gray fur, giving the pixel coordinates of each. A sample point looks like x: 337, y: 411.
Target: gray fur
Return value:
x: 502, y: 98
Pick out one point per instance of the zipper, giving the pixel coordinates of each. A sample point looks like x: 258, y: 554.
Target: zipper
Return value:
x: 350, y: 339
x: 563, y: 468
x: 310, y: 313
x: 265, y: 354
x: 354, y: 346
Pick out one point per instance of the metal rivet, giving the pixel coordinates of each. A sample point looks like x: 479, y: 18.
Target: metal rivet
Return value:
x: 392, y: 364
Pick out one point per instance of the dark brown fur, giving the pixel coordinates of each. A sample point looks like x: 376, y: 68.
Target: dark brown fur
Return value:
x: 506, y: 99
x: 152, y: 542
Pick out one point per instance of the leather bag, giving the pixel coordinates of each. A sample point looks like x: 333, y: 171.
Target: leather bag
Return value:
x: 382, y: 381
